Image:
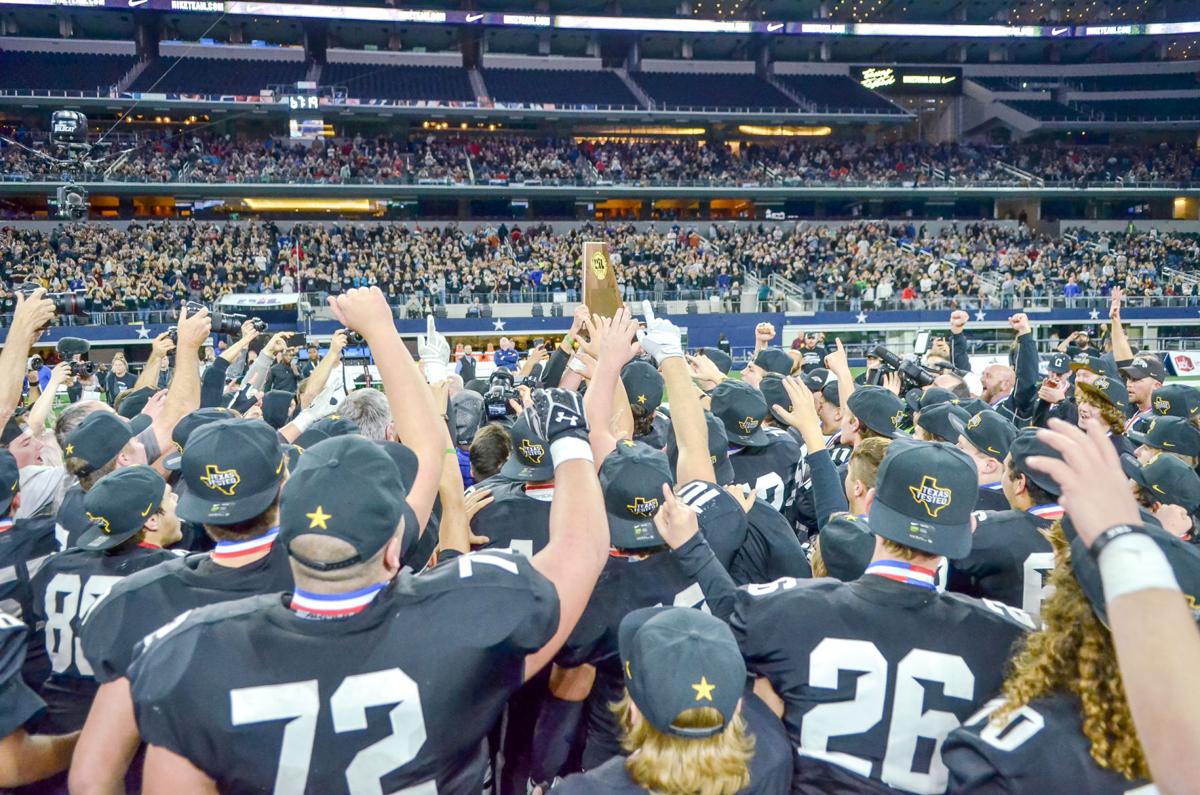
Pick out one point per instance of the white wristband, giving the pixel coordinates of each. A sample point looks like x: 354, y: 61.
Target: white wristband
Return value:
x: 570, y: 448
x: 304, y: 420
x: 1134, y: 563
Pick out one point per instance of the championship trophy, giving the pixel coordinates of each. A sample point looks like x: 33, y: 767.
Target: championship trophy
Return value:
x: 600, y: 293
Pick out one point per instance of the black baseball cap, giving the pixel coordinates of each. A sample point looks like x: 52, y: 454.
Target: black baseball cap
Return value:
x: 1026, y: 445
x: 1176, y: 400
x: 878, y: 409
x: 1109, y: 389
x: 10, y: 481
x: 1172, y: 434
x: 938, y: 420
x: 847, y: 546
x: 741, y: 408
x: 1085, y: 361
x: 816, y: 378
x: 530, y: 459
x: 1167, y: 478
x: 232, y: 470
x: 924, y: 495
x: 971, y: 405
x: 928, y: 398
x: 134, y: 401
x: 676, y: 659
x: 1184, y: 559
x: 346, y: 488
x: 13, y: 428
x: 989, y: 433
x: 774, y: 360
x: 718, y: 448
x: 101, y: 437
x: 1058, y: 363
x: 466, y: 413
x: 276, y: 407
x: 831, y: 394
x: 775, y: 393
x: 1145, y: 365
x: 186, y: 426
x: 632, y: 477
x: 326, y: 428
x: 643, y: 385
x: 720, y: 358
x: 119, y: 504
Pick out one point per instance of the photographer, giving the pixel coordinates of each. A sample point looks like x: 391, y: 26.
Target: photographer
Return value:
x: 118, y: 379
x: 284, y: 374
x: 31, y: 315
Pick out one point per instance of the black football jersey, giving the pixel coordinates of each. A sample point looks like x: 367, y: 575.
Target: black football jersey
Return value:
x: 873, y: 674
x: 991, y: 498
x: 721, y: 517
x: 72, y: 519
x: 625, y: 585
x: 142, y: 602
x: 397, y: 696
x: 771, y: 471
x: 660, y: 430
x: 1010, y: 561
x: 65, y: 591
x: 513, y: 520
x: 1039, y: 748
x: 770, y: 769
x: 771, y: 550
x: 24, y: 549
x: 18, y: 703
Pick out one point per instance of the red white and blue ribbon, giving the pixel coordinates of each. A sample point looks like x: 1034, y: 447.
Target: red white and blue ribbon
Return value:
x: 334, y: 605
x: 236, y: 549
x: 543, y: 492
x: 6, y: 524
x: 904, y: 572
x: 1129, y: 423
x: 1049, y: 511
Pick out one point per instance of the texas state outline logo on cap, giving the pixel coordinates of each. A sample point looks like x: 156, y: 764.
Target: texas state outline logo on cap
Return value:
x: 975, y: 421
x: 897, y: 418
x: 1162, y: 405
x: 532, y: 451
x: 931, y: 496
x: 224, y: 481
x: 643, y: 507
x: 105, y: 527
x: 748, y: 425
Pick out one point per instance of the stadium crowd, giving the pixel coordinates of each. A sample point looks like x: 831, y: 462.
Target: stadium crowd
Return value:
x: 148, y: 267
x: 501, y: 158
x: 551, y: 579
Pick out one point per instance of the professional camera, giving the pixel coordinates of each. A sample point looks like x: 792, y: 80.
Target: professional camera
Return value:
x: 82, y: 369
x: 64, y: 303
x: 35, y: 363
x: 354, y: 338
x: 71, y: 201
x: 231, y: 324
x: 500, y: 392
x: 912, y: 374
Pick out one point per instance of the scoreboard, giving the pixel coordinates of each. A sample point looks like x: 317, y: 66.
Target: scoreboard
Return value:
x: 909, y: 79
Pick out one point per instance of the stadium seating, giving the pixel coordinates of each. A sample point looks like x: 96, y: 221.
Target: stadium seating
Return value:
x: 1137, y: 109
x: 1049, y: 111
x: 837, y: 93
x: 558, y: 87
x: 1178, y: 81
x: 405, y: 83
x: 674, y: 90
x: 62, y: 71
x: 214, y: 76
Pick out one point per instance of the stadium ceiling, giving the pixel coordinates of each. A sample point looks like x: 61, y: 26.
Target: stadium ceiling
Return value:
x: 794, y: 25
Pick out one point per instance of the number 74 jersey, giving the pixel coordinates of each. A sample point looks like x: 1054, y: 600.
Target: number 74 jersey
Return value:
x: 394, y: 699
x: 873, y: 674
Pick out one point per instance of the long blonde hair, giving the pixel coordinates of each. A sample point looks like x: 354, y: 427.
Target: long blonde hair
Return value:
x: 1074, y: 653
x: 667, y: 765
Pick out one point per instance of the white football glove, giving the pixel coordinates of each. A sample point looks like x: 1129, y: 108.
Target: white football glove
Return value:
x: 661, y: 338
x: 434, y: 350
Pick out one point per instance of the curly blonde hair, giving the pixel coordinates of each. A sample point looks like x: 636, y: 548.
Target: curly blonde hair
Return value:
x: 1074, y: 653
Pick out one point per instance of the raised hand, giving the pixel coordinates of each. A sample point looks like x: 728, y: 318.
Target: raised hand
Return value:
x: 1114, y: 304
x: 764, y: 333
x: 615, y: 343
x: 958, y: 321
x: 661, y: 338
x: 32, y: 313
x: 1020, y: 323
x: 704, y: 369
x: 193, y: 330
x: 674, y: 520
x: 363, y: 309
x: 557, y: 413
x: 434, y: 350
x: 836, y: 360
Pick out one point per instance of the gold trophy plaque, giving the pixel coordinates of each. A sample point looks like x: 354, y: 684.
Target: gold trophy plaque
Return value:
x: 600, y: 293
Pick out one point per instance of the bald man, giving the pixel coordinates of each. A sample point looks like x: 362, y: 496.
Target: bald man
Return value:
x: 998, y: 382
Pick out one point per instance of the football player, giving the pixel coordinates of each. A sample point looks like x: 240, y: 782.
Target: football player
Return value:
x: 25, y: 545
x: 767, y: 461
x: 517, y: 517
x: 132, y: 515
x: 854, y: 662
x: 986, y: 437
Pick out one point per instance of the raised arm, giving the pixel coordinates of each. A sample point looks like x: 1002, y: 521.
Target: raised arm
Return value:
x: 661, y: 339
x: 612, y: 339
x: 45, y: 402
x: 418, y: 423
x: 148, y: 377
x: 829, y: 495
x: 960, y: 349
x: 1122, y: 352
x: 839, y: 365
x: 1025, y: 387
x: 320, y: 374
x: 183, y: 395
x: 31, y: 315
x: 578, y: 546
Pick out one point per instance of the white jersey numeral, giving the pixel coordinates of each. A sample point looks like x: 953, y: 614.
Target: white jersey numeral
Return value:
x: 68, y: 597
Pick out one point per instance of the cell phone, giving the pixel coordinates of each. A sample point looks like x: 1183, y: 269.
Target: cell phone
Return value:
x: 922, y: 343
x: 538, y: 342
x: 298, y: 340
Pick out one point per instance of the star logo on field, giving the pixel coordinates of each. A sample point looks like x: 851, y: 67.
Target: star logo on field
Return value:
x: 318, y: 518
x: 143, y: 333
x: 498, y: 324
x: 981, y: 315
x: 861, y: 317
x: 704, y: 689
x: 1094, y: 314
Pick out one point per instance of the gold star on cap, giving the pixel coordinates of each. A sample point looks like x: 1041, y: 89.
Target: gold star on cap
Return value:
x: 318, y: 518
x: 704, y: 689
x: 70, y: 449
x: 642, y: 399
